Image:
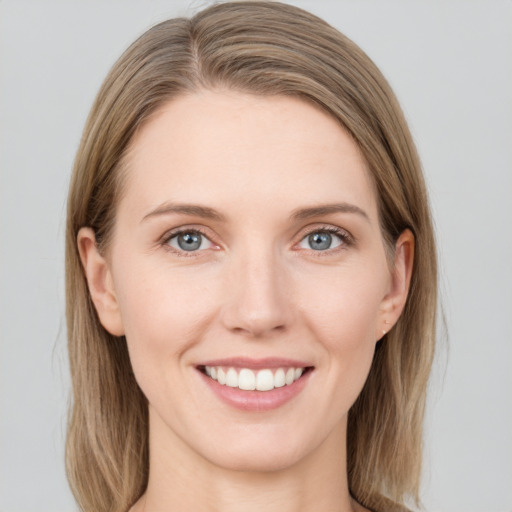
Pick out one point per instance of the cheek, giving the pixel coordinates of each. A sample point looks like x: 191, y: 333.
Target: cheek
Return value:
x: 163, y: 311
x: 344, y: 315
x: 344, y: 303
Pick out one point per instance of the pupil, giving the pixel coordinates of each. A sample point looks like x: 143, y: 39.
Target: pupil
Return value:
x: 320, y: 241
x: 189, y: 241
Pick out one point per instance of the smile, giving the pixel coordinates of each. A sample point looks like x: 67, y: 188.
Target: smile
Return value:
x: 255, y: 385
x: 248, y: 380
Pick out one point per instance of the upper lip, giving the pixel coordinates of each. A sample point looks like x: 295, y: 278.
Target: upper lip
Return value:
x: 256, y: 364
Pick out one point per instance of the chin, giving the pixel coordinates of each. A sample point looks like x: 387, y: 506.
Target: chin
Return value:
x: 263, y: 453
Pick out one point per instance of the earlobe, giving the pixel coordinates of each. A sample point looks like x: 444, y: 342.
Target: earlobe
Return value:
x: 394, y: 301
x: 100, y: 283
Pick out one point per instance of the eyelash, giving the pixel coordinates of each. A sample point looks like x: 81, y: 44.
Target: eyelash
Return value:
x: 172, y: 234
x: 347, y: 240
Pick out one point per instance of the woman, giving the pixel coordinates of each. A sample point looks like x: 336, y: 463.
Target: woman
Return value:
x: 251, y: 275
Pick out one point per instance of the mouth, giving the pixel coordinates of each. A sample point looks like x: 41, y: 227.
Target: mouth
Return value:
x: 261, y: 379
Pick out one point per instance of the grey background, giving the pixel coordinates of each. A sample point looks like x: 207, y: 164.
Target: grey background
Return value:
x: 450, y: 65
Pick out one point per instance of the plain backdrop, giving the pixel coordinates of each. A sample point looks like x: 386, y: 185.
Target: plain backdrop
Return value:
x: 450, y: 63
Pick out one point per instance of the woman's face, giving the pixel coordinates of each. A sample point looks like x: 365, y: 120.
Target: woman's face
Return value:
x: 246, y: 250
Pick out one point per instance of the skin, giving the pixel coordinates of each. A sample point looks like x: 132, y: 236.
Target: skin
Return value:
x: 256, y: 288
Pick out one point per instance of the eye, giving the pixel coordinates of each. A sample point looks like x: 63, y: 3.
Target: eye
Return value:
x: 189, y: 241
x: 322, y: 240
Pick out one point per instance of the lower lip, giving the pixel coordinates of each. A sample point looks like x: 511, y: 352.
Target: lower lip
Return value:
x: 257, y: 401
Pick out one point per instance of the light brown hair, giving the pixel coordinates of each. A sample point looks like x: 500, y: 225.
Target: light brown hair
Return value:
x: 264, y: 48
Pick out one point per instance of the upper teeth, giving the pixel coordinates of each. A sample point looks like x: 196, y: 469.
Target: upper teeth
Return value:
x: 246, y: 379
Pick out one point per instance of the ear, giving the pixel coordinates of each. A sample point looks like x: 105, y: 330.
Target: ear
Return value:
x: 393, y: 303
x: 100, y: 282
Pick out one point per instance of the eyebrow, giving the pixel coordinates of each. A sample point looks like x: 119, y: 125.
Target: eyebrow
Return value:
x: 327, y: 209
x: 194, y: 210
x: 206, y: 212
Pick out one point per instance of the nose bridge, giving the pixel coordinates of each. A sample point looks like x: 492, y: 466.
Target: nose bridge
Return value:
x: 257, y: 301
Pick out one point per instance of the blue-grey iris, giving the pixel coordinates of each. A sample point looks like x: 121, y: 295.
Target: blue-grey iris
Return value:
x: 189, y: 241
x: 320, y: 241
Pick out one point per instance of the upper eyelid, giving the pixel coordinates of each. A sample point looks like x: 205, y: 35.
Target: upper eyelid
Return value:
x: 164, y: 242
x: 308, y: 230
x: 171, y: 233
x: 346, y: 238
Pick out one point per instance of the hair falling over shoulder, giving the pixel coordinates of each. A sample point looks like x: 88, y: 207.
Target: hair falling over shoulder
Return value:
x: 264, y: 48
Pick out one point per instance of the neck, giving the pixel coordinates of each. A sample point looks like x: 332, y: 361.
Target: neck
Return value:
x: 181, y: 480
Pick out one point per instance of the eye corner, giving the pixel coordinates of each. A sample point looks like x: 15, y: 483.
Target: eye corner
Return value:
x: 194, y: 241
x: 327, y: 238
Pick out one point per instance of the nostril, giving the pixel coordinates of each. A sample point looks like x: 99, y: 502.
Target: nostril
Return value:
x: 257, y: 328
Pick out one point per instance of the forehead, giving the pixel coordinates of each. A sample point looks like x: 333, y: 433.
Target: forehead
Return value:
x: 217, y: 147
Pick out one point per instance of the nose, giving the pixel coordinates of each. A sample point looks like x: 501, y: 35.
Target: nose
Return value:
x: 258, y: 302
